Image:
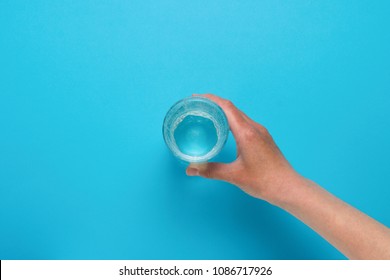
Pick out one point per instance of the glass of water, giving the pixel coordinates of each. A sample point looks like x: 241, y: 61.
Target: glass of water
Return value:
x: 195, y: 129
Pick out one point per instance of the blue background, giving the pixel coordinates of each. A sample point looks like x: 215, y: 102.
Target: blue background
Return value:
x: 85, y: 85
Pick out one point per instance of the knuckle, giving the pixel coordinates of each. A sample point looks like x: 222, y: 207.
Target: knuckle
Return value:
x: 228, y: 104
x: 262, y: 129
x: 250, y: 134
x: 206, y: 173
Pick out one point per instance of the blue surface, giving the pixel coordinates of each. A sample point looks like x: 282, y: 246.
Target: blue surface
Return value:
x: 85, y: 85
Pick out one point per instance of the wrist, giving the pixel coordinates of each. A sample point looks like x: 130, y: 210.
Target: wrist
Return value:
x: 288, y: 191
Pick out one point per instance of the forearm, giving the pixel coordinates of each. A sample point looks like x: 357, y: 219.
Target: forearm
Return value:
x: 355, y: 234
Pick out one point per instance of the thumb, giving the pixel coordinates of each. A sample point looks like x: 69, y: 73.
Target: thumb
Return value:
x: 212, y: 170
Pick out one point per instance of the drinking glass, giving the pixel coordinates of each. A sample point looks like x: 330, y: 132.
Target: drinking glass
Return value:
x: 195, y: 129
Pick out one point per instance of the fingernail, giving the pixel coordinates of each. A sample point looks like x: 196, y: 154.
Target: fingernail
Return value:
x: 192, y: 171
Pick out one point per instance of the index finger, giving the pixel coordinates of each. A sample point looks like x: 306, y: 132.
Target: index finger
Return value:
x: 234, y: 116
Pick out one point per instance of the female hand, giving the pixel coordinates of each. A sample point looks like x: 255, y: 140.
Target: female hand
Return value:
x: 260, y: 168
